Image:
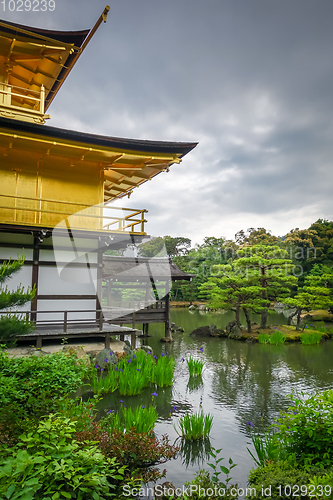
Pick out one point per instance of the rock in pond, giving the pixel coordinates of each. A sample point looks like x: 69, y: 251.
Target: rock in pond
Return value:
x: 208, y: 331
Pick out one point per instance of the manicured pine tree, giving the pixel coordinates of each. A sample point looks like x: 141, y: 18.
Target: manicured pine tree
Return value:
x: 271, y: 272
x: 10, y: 324
x: 234, y: 291
x: 311, y: 296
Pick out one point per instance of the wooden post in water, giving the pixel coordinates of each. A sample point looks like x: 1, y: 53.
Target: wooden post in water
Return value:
x: 167, y: 318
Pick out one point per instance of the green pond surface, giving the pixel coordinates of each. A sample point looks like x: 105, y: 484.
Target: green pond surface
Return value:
x: 241, y: 382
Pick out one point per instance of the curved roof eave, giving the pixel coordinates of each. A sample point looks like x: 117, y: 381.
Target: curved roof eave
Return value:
x: 168, y: 147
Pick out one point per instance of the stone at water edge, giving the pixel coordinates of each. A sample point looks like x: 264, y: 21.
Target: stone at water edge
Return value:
x: 165, y: 491
x: 112, y: 359
x: 166, y: 339
x: 36, y: 352
x: 147, y: 348
x: 176, y: 329
x: 202, y: 331
x: 233, y: 329
x: 216, y: 332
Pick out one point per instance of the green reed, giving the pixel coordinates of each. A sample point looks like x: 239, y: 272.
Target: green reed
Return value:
x: 133, y: 374
x: 131, y: 381
x: 142, y: 418
x: 263, y: 338
x: 195, y: 366
x: 104, y: 382
x: 277, y: 338
x: 268, y: 448
x: 195, y: 426
x: 164, y: 369
x: 311, y: 338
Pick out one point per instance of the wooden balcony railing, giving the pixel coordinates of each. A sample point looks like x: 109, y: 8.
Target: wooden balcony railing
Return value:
x: 21, y: 103
x: 22, y: 210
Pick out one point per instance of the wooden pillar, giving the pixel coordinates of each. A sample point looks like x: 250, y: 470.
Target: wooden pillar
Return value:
x: 34, y: 278
x: 99, y: 312
x: 167, y: 317
x: 107, y: 341
x: 133, y: 340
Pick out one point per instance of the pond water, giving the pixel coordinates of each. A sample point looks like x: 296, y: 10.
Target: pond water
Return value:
x: 241, y: 382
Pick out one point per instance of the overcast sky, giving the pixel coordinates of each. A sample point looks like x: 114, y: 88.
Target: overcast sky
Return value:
x: 250, y: 80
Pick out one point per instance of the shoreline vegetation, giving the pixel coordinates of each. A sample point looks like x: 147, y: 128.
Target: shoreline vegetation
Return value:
x: 52, y: 445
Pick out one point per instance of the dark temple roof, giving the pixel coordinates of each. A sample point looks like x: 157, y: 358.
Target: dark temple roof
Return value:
x: 181, y: 148
x: 140, y: 269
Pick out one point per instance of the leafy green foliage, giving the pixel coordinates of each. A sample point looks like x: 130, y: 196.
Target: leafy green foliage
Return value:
x: 50, y: 464
x: 283, y: 473
x: 195, y: 426
x: 306, y: 430
x: 204, y: 482
x: 218, y: 469
x: 133, y: 449
x: 32, y: 386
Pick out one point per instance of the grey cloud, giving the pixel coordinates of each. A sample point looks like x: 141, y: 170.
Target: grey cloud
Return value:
x: 250, y: 80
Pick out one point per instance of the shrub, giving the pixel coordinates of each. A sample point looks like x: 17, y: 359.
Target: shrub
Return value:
x: 306, y: 430
x: 31, y: 387
x: 50, y: 464
x: 135, y: 449
x: 281, y: 474
x: 206, y: 484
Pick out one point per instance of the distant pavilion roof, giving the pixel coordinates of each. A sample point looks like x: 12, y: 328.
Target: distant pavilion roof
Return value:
x: 130, y: 269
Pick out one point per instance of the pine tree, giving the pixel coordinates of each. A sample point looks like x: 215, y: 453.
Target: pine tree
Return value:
x: 270, y: 269
x: 11, y: 324
x: 234, y: 291
x: 312, y: 296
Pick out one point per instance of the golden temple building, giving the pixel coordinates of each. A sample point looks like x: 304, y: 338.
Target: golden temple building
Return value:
x: 54, y: 179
